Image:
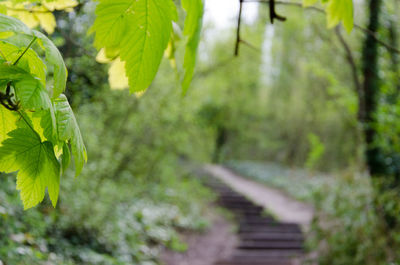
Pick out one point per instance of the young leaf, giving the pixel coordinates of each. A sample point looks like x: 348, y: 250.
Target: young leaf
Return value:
x: 7, y: 123
x: 68, y: 130
x: 309, y: 2
x: 36, y: 163
x: 192, y: 30
x: 140, y: 29
x: 340, y: 10
x: 65, y: 158
x: 30, y: 62
x: 53, y: 56
x: 116, y: 75
x: 11, y: 73
x: 32, y: 94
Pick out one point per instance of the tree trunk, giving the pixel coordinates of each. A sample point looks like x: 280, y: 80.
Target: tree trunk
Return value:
x: 374, y: 156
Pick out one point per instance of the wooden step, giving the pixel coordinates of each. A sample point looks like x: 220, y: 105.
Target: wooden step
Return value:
x: 254, y: 262
x: 249, y: 244
x: 244, y: 255
x: 263, y: 240
x: 272, y: 236
x: 278, y: 228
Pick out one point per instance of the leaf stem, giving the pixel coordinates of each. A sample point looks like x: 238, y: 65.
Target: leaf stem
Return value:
x: 27, y: 48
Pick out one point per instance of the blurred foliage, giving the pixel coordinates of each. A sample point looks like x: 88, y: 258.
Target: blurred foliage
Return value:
x: 132, y: 197
x: 137, y: 192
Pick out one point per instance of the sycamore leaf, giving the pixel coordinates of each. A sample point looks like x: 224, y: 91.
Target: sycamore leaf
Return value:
x: 65, y: 157
x: 35, y: 15
x: 102, y: 57
x: 11, y: 24
x: 53, y: 56
x: 30, y: 62
x: 28, y: 89
x: 47, y: 21
x: 116, y: 75
x: 309, y: 2
x: 340, y: 10
x: 192, y: 30
x: 140, y: 30
x: 32, y: 16
x: 68, y: 130
x: 32, y: 94
x: 44, y: 123
x: 11, y: 73
x: 66, y: 5
x: 7, y: 122
x: 36, y: 163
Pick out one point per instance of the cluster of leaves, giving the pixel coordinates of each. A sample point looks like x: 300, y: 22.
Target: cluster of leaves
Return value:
x: 135, y: 34
x: 38, y: 124
x: 37, y: 13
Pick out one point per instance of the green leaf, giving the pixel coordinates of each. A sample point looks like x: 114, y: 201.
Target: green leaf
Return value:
x: 340, y: 10
x: 30, y: 62
x: 68, y: 130
x: 140, y: 29
x: 53, y: 56
x: 309, y: 2
x: 30, y: 90
x: 65, y: 158
x: 11, y: 73
x: 36, y: 163
x: 7, y: 122
x: 192, y: 30
x: 32, y: 94
x: 11, y: 24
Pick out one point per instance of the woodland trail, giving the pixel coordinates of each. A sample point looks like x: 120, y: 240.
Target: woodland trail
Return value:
x: 263, y: 239
x: 281, y: 206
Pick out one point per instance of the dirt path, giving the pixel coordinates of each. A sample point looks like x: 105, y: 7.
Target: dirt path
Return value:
x: 279, y: 204
x: 217, y: 243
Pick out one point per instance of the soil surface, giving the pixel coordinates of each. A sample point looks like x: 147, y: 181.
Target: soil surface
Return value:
x: 206, y: 248
x: 283, y: 207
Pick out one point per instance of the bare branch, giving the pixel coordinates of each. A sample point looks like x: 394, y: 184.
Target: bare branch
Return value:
x: 351, y: 61
x: 272, y: 12
x: 248, y: 44
x: 238, y: 28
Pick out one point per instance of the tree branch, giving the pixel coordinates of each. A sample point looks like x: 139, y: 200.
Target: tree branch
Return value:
x: 354, y: 71
x: 238, y: 28
x: 272, y: 12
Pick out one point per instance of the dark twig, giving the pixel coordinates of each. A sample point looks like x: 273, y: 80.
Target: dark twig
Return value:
x: 272, y: 12
x: 6, y: 99
x: 214, y: 68
x: 238, y: 39
x: 248, y: 44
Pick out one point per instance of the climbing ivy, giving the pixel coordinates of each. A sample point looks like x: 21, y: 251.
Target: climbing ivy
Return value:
x: 39, y: 132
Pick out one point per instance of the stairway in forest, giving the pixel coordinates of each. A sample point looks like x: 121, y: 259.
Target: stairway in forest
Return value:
x: 262, y: 240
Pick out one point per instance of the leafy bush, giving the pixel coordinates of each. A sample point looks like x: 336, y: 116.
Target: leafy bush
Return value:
x: 133, y: 196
